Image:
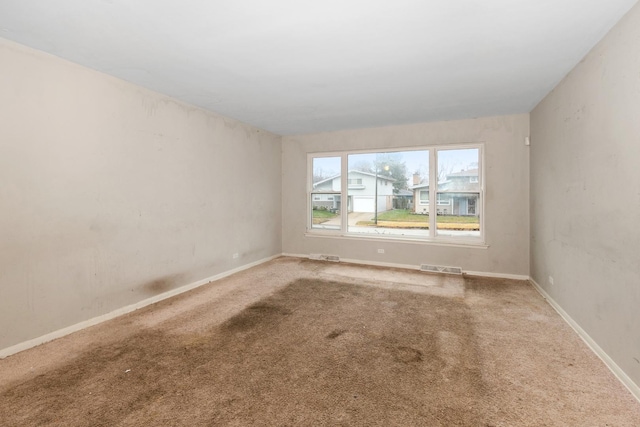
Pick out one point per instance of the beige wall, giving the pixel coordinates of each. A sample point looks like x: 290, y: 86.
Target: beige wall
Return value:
x: 585, y: 194
x: 112, y: 194
x: 506, y: 198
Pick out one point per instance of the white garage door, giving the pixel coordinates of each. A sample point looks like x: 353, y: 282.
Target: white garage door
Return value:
x: 363, y: 204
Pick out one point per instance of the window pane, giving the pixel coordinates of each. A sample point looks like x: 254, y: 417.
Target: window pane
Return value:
x: 381, y: 192
x: 325, y: 194
x: 458, y: 193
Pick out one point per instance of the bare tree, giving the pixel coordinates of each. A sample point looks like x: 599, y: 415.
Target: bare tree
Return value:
x: 444, y: 170
x: 320, y: 174
x: 364, y: 166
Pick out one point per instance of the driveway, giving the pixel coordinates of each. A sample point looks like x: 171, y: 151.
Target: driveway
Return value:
x: 355, y: 217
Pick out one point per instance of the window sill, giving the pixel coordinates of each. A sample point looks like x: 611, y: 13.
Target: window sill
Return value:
x: 459, y: 243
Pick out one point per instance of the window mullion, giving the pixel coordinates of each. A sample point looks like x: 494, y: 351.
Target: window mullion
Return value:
x: 309, y: 190
x: 344, y: 196
x: 433, y: 188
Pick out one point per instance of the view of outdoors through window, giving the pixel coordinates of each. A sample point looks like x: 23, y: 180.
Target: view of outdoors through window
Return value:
x: 325, y: 196
x: 383, y: 201
x: 388, y: 193
x: 458, y: 193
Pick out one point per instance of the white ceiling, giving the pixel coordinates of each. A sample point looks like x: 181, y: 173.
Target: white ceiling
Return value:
x: 297, y: 66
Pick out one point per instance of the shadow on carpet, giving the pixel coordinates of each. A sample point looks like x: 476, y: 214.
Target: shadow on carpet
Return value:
x: 314, y: 353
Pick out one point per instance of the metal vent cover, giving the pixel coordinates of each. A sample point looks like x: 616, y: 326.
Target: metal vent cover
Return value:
x: 324, y: 257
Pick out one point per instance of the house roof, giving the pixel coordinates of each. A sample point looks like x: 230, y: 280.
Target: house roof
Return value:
x: 461, y: 174
x: 415, y: 187
x: 315, y: 184
x: 469, y: 172
x: 465, y: 187
x: 373, y: 175
x: 451, y: 187
x: 351, y: 172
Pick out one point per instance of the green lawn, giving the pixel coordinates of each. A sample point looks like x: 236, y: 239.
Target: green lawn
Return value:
x: 404, y: 215
x: 323, y: 214
x: 320, y: 216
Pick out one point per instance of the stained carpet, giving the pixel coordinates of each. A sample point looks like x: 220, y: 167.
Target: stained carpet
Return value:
x: 331, y: 352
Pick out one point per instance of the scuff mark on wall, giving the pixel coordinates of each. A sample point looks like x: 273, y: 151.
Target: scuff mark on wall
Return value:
x: 162, y: 284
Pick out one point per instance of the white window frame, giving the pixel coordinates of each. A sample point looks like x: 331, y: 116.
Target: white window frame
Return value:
x: 433, y: 190
x: 311, y: 192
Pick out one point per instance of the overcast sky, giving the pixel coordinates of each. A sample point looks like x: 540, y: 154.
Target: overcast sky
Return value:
x: 453, y: 160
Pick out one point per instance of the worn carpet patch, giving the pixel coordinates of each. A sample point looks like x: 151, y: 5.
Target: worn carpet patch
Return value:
x: 314, y: 353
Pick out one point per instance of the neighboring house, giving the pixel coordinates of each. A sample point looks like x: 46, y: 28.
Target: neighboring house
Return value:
x: 457, y: 195
x: 361, y: 192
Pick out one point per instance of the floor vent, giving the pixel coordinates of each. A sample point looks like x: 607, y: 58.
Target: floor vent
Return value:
x: 322, y: 257
x: 440, y: 269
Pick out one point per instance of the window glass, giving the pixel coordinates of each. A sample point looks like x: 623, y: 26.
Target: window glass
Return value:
x: 389, y: 194
x: 380, y: 194
x: 325, y: 193
x: 424, y: 197
x: 458, y: 193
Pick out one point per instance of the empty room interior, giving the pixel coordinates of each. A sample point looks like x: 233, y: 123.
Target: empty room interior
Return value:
x: 320, y: 213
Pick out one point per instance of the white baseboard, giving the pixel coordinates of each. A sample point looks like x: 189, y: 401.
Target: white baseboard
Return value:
x: 496, y: 275
x: 362, y: 262
x: 295, y: 255
x: 617, y: 371
x: 416, y: 267
x: 124, y: 310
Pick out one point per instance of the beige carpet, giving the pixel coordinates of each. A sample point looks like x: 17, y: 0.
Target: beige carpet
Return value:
x: 296, y: 342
